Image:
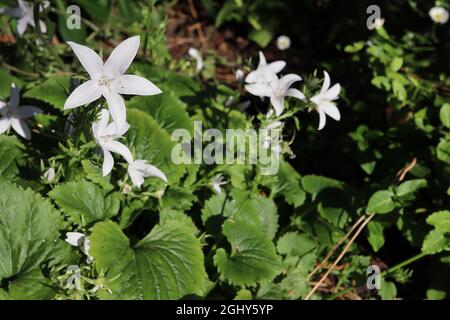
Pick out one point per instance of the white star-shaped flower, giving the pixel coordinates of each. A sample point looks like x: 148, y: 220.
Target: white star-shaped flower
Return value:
x: 25, y: 15
x: 105, y: 135
x: 265, y: 73
x: 216, y: 182
x: 277, y: 90
x: 13, y: 115
x: 109, y: 79
x: 78, y: 239
x: 140, y: 169
x: 324, y: 101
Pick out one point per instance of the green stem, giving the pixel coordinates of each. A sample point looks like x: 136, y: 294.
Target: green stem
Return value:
x: 384, y: 273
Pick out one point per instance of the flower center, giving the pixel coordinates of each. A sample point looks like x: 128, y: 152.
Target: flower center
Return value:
x: 103, y: 81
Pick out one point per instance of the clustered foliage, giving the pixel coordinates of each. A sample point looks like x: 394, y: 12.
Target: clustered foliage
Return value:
x: 70, y: 230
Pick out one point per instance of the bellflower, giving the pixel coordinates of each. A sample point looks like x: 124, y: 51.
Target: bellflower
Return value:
x: 109, y: 79
x: 140, y: 169
x: 324, y: 101
x: 105, y: 135
x: 13, y: 115
x: 277, y: 90
x: 194, y: 53
x: 25, y: 16
x: 78, y: 239
x: 265, y: 73
x: 216, y: 182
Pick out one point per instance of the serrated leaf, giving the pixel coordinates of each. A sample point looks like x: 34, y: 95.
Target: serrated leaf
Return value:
x: 293, y: 243
x: 29, y: 229
x: 410, y: 186
x: 388, y: 290
x: 288, y: 185
x: 441, y: 220
x: 376, y: 236
x: 166, y: 264
x: 53, y: 91
x: 381, y: 202
x: 84, y: 202
x: 435, y: 241
x: 252, y: 258
x: 95, y: 174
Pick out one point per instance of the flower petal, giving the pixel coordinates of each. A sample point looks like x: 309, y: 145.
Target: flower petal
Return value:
x: 287, y: 81
x: 100, y: 126
x: 262, y: 60
x: 120, y: 148
x: 258, y: 89
x: 130, y: 84
x: 330, y: 109
x: 5, y: 124
x: 24, y: 112
x: 326, y: 82
x: 332, y: 93
x: 322, y: 118
x: 152, y: 171
x: 22, y: 24
x: 122, y: 56
x: 88, y: 58
x: 277, y: 66
x: 14, y: 97
x: 278, y: 105
x: 108, y: 162
x: 75, y: 238
x: 295, y: 93
x: 116, y: 109
x: 21, y: 128
x: 85, y: 93
x: 12, y: 12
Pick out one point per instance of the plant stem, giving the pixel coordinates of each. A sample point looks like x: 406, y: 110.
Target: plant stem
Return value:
x: 384, y: 273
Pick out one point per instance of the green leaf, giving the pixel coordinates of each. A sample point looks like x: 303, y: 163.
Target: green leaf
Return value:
x: 31, y: 286
x: 388, y: 290
x: 29, y: 229
x: 376, y: 236
x: 261, y: 37
x: 94, y: 174
x: 150, y: 142
x: 435, y: 241
x: 293, y: 243
x: 410, y: 186
x: 85, y: 202
x: 252, y: 258
x: 444, y: 114
x: 288, y: 185
x: 443, y: 151
x: 181, y: 217
x: 166, y: 264
x: 396, y: 64
x: 166, y: 108
x: 53, y: 91
x: 441, y: 220
x: 314, y: 184
x: 261, y: 212
x: 11, y: 151
x: 381, y: 202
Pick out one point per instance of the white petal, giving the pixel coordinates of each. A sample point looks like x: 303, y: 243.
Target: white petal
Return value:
x: 117, y: 147
x: 100, y: 126
x: 152, y: 171
x: 330, y: 109
x: 217, y: 189
x: 21, y: 128
x: 136, y: 178
x: 130, y: 84
x: 88, y: 58
x: 122, y: 56
x: 116, y: 109
x: 111, y: 130
x: 22, y: 26
x: 260, y: 90
x: 24, y: 112
x: 5, y: 124
x: 333, y: 92
x: 108, y: 162
x: 277, y: 66
x: 42, y: 26
x: 14, y: 96
x: 262, y: 60
x: 322, y: 118
x: 326, y: 82
x: 85, y: 93
x: 251, y: 77
x: 278, y: 105
x: 75, y: 238
x: 287, y: 81
x: 295, y: 93
x: 274, y: 125
x: 12, y: 12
